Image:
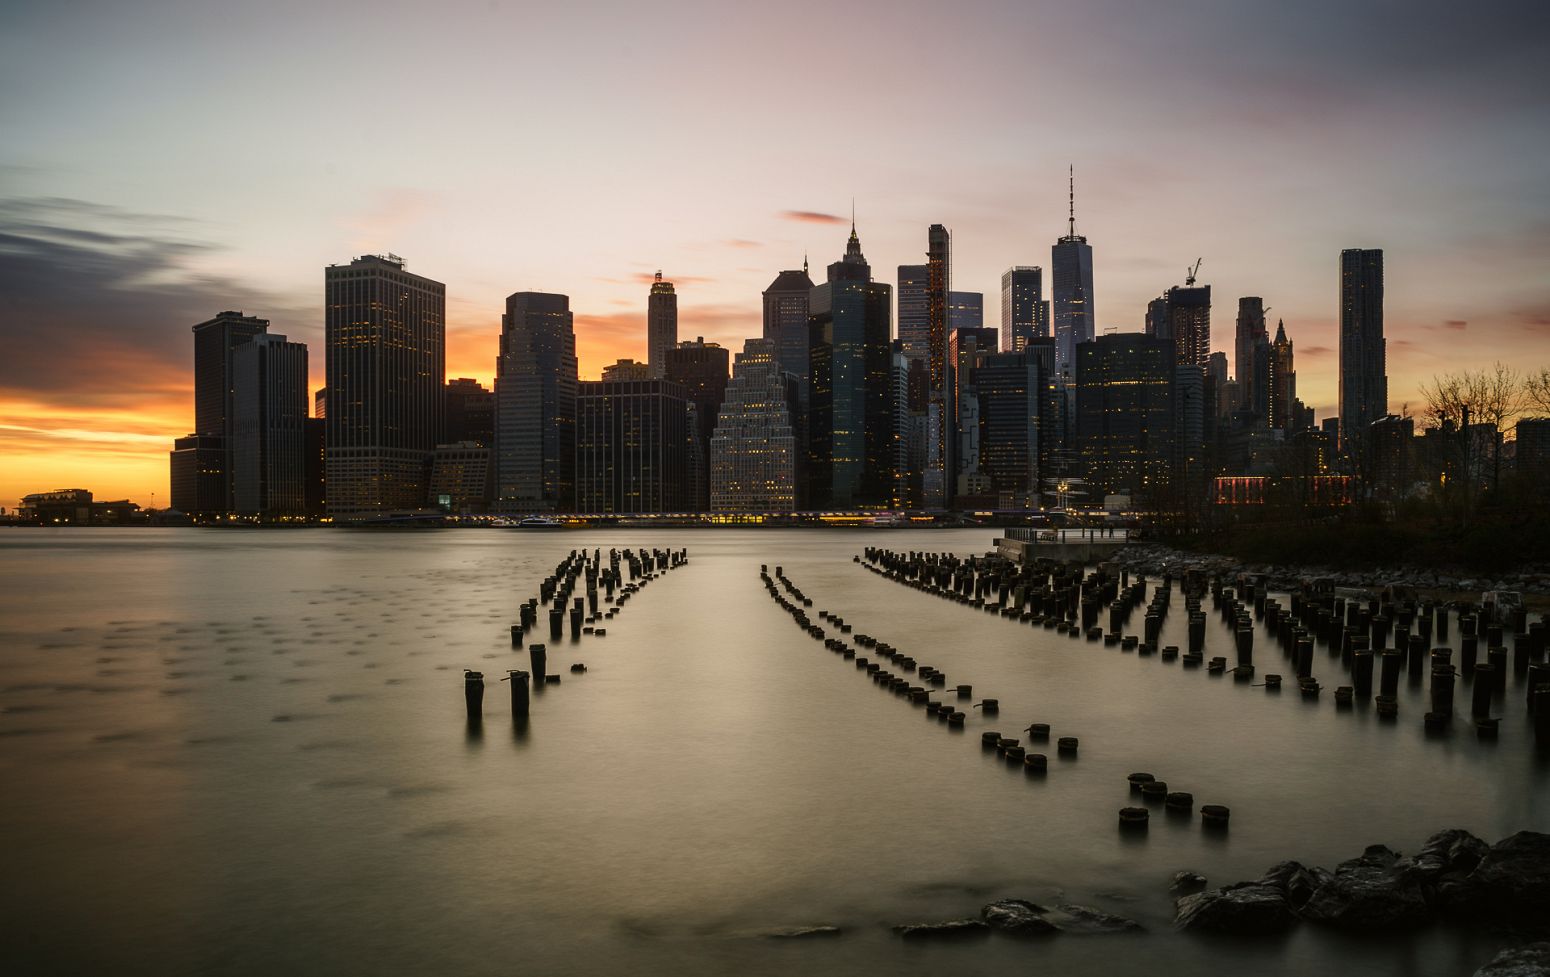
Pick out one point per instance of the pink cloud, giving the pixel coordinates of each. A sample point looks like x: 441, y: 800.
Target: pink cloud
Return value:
x: 810, y: 217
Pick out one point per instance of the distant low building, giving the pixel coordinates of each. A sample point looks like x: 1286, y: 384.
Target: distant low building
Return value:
x: 75, y: 507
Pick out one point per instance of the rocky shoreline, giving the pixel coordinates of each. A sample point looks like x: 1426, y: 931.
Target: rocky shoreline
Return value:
x: 1154, y: 559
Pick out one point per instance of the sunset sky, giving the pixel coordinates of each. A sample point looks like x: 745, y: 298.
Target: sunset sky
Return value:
x: 163, y: 161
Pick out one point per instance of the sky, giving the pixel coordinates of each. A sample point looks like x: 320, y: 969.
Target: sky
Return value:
x: 164, y: 161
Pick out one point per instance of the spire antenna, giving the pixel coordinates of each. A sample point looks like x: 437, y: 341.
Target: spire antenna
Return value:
x: 1071, y: 200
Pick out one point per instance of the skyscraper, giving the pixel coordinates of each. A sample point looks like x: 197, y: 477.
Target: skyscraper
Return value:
x: 753, y: 449
x: 967, y: 346
x: 1023, y: 308
x: 938, y: 477
x: 1364, y: 379
x: 850, y: 457
x: 535, y: 404
x: 202, y: 462
x: 633, y: 440
x: 385, y: 361
x: 785, y: 319
x: 1283, y: 383
x: 661, y: 325
x: 1125, y: 413
x: 700, y: 368
x: 965, y: 310
x: 1250, y: 332
x: 470, y: 413
x: 914, y: 311
x: 1189, y: 323
x: 1019, y: 413
x: 269, y: 444
x: 1071, y: 289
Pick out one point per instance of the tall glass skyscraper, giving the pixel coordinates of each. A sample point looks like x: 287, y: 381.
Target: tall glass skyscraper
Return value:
x: 269, y: 450
x: 1071, y: 268
x: 535, y: 404
x: 850, y: 423
x: 385, y: 360
x: 1023, y: 310
x: 914, y: 311
x: 785, y: 320
x: 1364, y: 382
x: 938, y: 477
x: 661, y: 325
x: 202, y: 463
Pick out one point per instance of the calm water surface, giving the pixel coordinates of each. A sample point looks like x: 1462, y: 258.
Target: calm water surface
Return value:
x: 244, y: 753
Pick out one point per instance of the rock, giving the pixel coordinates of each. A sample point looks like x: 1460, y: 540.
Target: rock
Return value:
x: 1532, y: 960
x: 1295, y: 881
x: 1445, y: 862
x: 1512, y: 880
x: 803, y: 932
x: 1017, y: 917
x: 1375, y: 891
x: 1187, y: 883
x: 1245, y: 909
x: 951, y: 929
x: 1087, y: 921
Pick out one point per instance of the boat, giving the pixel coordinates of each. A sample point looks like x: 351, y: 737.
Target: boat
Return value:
x: 539, y: 522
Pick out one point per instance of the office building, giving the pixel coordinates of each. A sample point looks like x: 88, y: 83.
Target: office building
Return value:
x: 914, y: 311
x: 1125, y: 413
x: 202, y: 462
x: 1018, y: 415
x: 470, y: 412
x: 633, y: 441
x: 700, y: 368
x: 1071, y: 291
x: 1183, y: 317
x: 1024, y: 313
x: 627, y: 369
x: 965, y: 310
x: 385, y: 362
x: 785, y: 321
x: 1281, y: 377
x: 661, y: 325
x: 535, y: 405
x: 1249, y: 334
x: 269, y: 433
x: 1363, y: 366
x: 460, y: 477
x: 849, y: 417
x: 938, y: 476
x: 753, y: 450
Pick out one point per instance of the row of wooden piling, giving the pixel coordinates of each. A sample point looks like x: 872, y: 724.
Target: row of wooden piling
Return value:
x: 1064, y: 600
x: 795, y: 603
x: 626, y: 574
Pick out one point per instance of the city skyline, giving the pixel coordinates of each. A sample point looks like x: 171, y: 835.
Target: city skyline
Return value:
x: 106, y: 266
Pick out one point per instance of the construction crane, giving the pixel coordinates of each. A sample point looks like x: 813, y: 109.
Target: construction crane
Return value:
x: 1189, y: 276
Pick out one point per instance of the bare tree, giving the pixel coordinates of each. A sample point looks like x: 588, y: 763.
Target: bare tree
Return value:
x: 1536, y: 391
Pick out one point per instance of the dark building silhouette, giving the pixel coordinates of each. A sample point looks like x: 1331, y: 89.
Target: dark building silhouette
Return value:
x: 1364, y: 390
x: 1019, y: 414
x: 535, y: 405
x: 661, y: 325
x: 385, y: 361
x: 460, y: 477
x: 316, y: 471
x: 1249, y: 335
x: 470, y: 412
x: 1281, y: 376
x: 202, y: 462
x: 966, y: 347
x: 1183, y: 317
x: 941, y: 437
x: 701, y: 369
x: 633, y: 443
x: 785, y: 319
x: 269, y: 437
x: 1071, y: 291
x: 850, y: 418
x: 965, y: 310
x: 1533, y: 450
x: 1024, y: 313
x: 1125, y: 413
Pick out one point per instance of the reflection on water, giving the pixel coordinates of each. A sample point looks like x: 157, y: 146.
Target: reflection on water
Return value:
x: 247, y: 753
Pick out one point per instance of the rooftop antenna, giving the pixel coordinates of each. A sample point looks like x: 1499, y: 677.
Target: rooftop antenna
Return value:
x: 1071, y: 199
x: 804, y: 261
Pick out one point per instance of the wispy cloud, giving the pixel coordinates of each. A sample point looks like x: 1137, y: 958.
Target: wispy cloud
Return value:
x: 811, y: 217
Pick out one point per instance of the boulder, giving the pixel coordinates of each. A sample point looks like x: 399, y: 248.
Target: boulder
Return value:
x: 1017, y: 917
x: 1378, y: 890
x: 1512, y: 880
x: 1295, y: 881
x: 1087, y: 921
x: 1531, y: 960
x: 1245, y: 909
x: 951, y: 929
x: 1187, y: 883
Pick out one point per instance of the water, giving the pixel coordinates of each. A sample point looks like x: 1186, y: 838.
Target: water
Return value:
x: 244, y: 753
